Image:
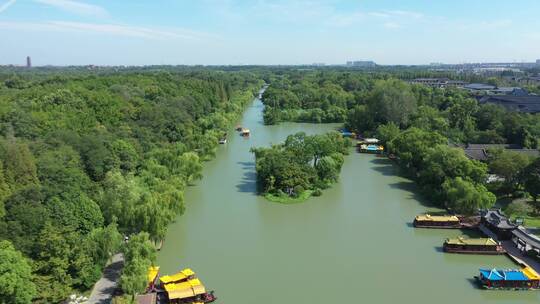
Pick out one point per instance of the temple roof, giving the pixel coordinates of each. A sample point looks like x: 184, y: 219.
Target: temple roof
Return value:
x: 496, y: 218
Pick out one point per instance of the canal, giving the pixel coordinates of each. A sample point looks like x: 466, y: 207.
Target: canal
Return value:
x: 353, y: 244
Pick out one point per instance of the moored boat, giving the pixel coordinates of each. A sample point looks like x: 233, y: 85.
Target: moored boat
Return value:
x: 437, y: 221
x: 373, y: 149
x: 473, y: 246
x: 182, y: 287
x: 152, y: 275
x: 346, y: 133
x: 367, y: 141
x: 181, y: 276
x: 190, y: 291
x: 525, y: 279
x: 222, y: 141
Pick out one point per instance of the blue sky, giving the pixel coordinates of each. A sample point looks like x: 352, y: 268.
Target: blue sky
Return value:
x: 136, y: 32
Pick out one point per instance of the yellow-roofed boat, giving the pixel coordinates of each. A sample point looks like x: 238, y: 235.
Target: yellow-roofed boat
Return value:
x: 182, y: 287
x: 530, y: 273
x: 473, y: 246
x: 437, y: 221
x: 151, y: 277
x: 183, y: 275
x: 187, y: 289
x: 152, y: 273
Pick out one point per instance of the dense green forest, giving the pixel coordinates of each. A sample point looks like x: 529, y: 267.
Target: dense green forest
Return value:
x: 89, y: 157
x: 300, y: 167
x: 363, y: 101
x: 421, y: 126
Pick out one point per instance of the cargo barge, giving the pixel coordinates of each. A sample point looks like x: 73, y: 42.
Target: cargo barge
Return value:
x: 473, y: 246
x: 511, y: 279
x: 437, y: 221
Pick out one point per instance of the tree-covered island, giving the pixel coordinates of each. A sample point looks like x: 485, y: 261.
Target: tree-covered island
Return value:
x: 300, y: 167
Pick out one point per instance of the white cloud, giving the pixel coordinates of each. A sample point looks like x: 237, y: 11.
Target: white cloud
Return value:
x: 476, y: 26
x: 110, y: 29
x: 76, y: 7
x: 392, y: 19
x: 407, y: 14
x: 345, y: 19
x: 6, y: 5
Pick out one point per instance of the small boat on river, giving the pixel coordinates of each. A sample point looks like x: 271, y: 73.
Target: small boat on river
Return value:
x: 373, y: 149
x: 473, y: 246
x: 510, y: 279
x: 245, y: 132
x: 437, y: 221
x: 367, y: 141
x: 346, y: 133
x: 222, y: 141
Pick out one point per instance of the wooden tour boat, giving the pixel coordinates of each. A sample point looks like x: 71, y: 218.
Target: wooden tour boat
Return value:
x: 190, y: 291
x: 182, y: 276
x: 182, y: 287
x: 473, y: 246
x: 153, y: 274
x: 436, y: 221
x: 525, y: 279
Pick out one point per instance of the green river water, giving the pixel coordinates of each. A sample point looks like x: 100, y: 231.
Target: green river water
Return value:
x: 354, y: 244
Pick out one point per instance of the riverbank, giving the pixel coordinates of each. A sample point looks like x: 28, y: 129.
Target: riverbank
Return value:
x: 285, y: 199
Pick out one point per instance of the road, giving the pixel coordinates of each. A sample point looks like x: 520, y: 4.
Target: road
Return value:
x: 103, y: 290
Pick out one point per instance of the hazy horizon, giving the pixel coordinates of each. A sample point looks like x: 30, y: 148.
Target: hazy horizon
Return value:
x: 264, y: 32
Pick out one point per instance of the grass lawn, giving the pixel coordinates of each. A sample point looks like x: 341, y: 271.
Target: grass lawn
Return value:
x: 532, y: 222
x: 285, y: 199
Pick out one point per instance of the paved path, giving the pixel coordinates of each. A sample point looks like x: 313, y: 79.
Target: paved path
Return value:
x: 103, y: 290
x: 513, y: 252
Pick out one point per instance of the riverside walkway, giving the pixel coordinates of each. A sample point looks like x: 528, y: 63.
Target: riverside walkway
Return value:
x: 104, y: 289
x: 512, y: 251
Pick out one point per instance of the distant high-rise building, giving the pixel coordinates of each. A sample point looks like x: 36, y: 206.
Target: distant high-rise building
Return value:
x: 537, y: 61
x: 28, y: 62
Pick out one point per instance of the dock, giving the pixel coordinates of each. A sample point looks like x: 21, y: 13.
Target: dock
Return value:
x: 512, y: 251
